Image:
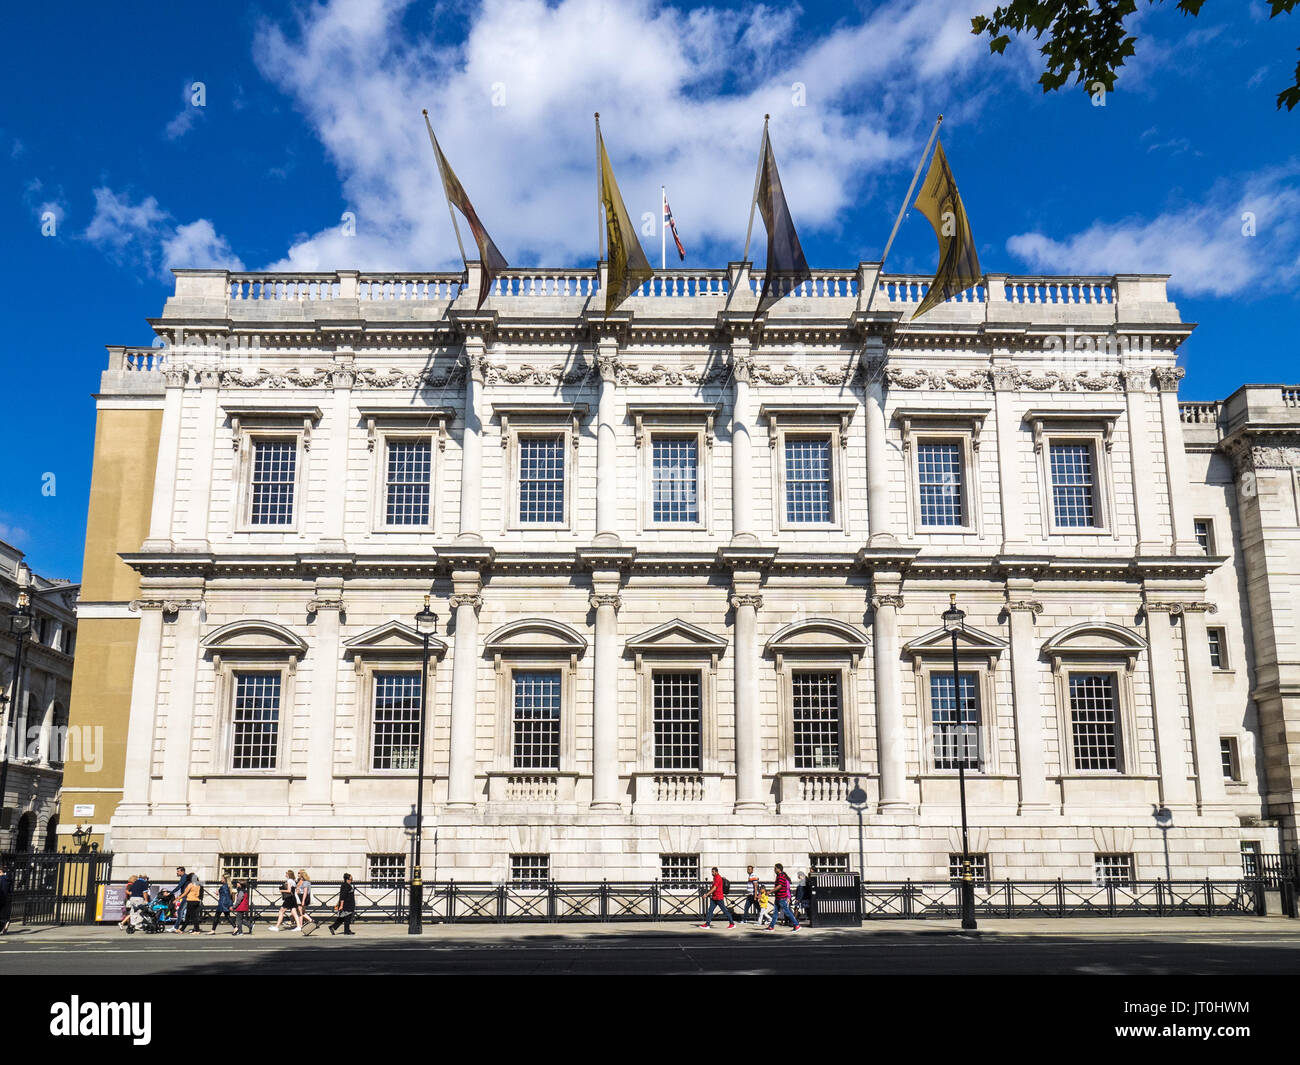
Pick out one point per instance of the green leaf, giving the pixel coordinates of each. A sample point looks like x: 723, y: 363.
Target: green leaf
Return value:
x: 999, y: 44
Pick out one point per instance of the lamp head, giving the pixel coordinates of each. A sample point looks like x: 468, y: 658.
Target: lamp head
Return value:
x: 954, y: 620
x: 426, y: 621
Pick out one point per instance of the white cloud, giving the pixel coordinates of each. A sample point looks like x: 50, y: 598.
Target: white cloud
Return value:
x: 681, y: 96
x: 145, y: 233
x: 1204, y: 246
x: 181, y: 124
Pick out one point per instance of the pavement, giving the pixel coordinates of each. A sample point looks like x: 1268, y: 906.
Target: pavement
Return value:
x: 1205, y: 946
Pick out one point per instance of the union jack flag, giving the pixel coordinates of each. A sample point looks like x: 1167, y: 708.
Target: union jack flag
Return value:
x: 672, y: 224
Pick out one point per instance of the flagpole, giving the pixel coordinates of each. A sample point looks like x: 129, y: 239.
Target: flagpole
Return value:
x: 753, y: 202
x: 437, y: 154
x: 600, y: 217
x: 663, y: 229
x: 908, y: 198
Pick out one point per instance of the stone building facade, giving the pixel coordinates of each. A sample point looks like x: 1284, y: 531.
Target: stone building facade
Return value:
x: 688, y: 565
x: 35, y: 711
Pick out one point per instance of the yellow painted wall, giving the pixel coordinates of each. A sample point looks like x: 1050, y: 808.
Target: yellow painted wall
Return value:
x: 121, y: 498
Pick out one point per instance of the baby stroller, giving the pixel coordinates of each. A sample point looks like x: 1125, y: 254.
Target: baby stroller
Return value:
x: 143, y: 918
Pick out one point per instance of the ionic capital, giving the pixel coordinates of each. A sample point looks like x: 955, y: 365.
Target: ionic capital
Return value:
x: 600, y: 599
x: 893, y: 601
x: 748, y: 599
x: 472, y: 599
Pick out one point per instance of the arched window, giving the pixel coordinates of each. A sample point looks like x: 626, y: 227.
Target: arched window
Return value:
x: 23, y: 836
x: 52, y: 834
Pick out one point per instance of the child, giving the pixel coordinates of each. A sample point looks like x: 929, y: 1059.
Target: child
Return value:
x: 764, y: 906
x: 243, y: 910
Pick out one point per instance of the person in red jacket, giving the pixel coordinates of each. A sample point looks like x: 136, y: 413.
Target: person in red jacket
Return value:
x: 243, y: 910
x: 718, y: 898
x: 782, y: 901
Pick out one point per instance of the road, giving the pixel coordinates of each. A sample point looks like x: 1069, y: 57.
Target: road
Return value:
x: 1099, y: 948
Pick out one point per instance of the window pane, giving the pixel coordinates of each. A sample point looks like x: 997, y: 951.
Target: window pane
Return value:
x: 530, y: 870
x: 677, y: 720
x: 256, y: 720
x: 675, y: 464
x: 274, y: 465
x: 956, y: 744
x: 1113, y: 868
x: 979, y: 868
x: 808, y: 479
x: 1228, y: 753
x: 1093, y: 721
x: 238, y: 867
x: 1216, y: 648
x: 386, y: 870
x: 396, y: 742
x: 828, y: 863
x: 541, y: 478
x: 1204, y: 536
x: 537, y: 720
x: 816, y: 699
x: 679, y: 870
x: 1072, y: 485
x: 938, y: 473
x: 409, y: 465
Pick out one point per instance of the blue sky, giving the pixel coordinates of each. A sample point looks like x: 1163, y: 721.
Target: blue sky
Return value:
x: 313, y: 110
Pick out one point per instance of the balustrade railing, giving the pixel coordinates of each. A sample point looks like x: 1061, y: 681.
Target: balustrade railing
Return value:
x: 521, y: 787
x: 1198, y: 413
x: 823, y: 787
x: 678, y: 788
x: 377, y: 287
x: 1291, y: 397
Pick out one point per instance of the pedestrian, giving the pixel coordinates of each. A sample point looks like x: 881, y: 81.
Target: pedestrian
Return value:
x: 243, y: 910
x: 6, y: 898
x: 137, y: 895
x: 225, y: 900
x: 782, y: 902
x: 751, y: 896
x: 193, y: 901
x: 178, y: 895
x: 346, y: 908
x: 304, y: 900
x: 764, y: 905
x: 288, y: 901
x: 801, y: 894
x: 718, y: 899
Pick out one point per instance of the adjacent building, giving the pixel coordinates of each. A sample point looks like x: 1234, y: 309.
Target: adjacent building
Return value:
x: 688, y: 564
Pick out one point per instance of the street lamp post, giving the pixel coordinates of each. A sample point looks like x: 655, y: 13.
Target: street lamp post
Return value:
x: 954, y: 623
x: 426, y: 622
x: 20, y: 628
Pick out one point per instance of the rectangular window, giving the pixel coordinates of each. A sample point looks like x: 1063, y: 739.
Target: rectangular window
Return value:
x: 386, y: 870
x: 828, y: 863
x: 979, y: 868
x: 1074, y: 500
x: 410, y: 465
x: 816, y: 701
x: 1218, y: 649
x: 1250, y: 860
x: 238, y: 867
x: 1094, y: 721
x: 939, y: 483
x: 1228, y: 754
x: 808, y: 479
x: 1113, y: 869
x: 536, y: 721
x: 541, y: 479
x: 256, y: 720
x: 274, y: 469
x: 956, y: 743
x: 1204, y: 534
x: 675, y: 474
x: 679, y: 870
x: 677, y: 720
x: 396, y: 736
x: 530, y: 870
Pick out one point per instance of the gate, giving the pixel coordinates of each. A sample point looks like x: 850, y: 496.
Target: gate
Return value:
x: 56, y: 888
x: 835, y: 899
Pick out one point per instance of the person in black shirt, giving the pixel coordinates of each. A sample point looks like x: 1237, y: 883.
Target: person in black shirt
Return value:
x: 346, y: 908
x: 6, y: 898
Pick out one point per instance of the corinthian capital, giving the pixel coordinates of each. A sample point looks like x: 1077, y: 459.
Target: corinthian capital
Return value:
x: 608, y: 365
x: 1167, y: 377
x: 476, y: 362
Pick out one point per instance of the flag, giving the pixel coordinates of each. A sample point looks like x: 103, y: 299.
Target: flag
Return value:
x: 672, y: 224
x: 493, y: 261
x: 786, y: 266
x: 959, y: 266
x: 628, y: 265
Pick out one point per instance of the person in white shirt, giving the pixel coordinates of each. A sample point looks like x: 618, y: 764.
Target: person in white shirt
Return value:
x: 751, y: 896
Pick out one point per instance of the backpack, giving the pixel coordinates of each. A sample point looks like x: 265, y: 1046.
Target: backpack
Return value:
x: 726, y: 886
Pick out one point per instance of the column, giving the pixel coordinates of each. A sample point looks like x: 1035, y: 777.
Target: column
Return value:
x: 164, y: 485
x: 605, y: 601
x: 200, y: 474
x: 742, y: 459
x: 1009, y: 486
x: 336, y: 459
x: 1175, y: 787
x: 1180, y: 513
x: 749, y: 749
x: 1139, y: 438
x: 891, y: 732
x: 880, y: 522
x: 144, y: 706
x: 471, y: 455
x: 1021, y: 613
x: 178, y: 751
x: 1202, y: 707
x: 465, y: 602
x: 606, y: 445
x: 327, y: 606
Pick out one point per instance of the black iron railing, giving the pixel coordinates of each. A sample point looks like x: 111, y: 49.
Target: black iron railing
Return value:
x: 53, y: 888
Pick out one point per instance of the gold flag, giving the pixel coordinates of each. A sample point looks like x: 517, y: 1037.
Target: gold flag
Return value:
x: 959, y: 266
x: 628, y: 266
